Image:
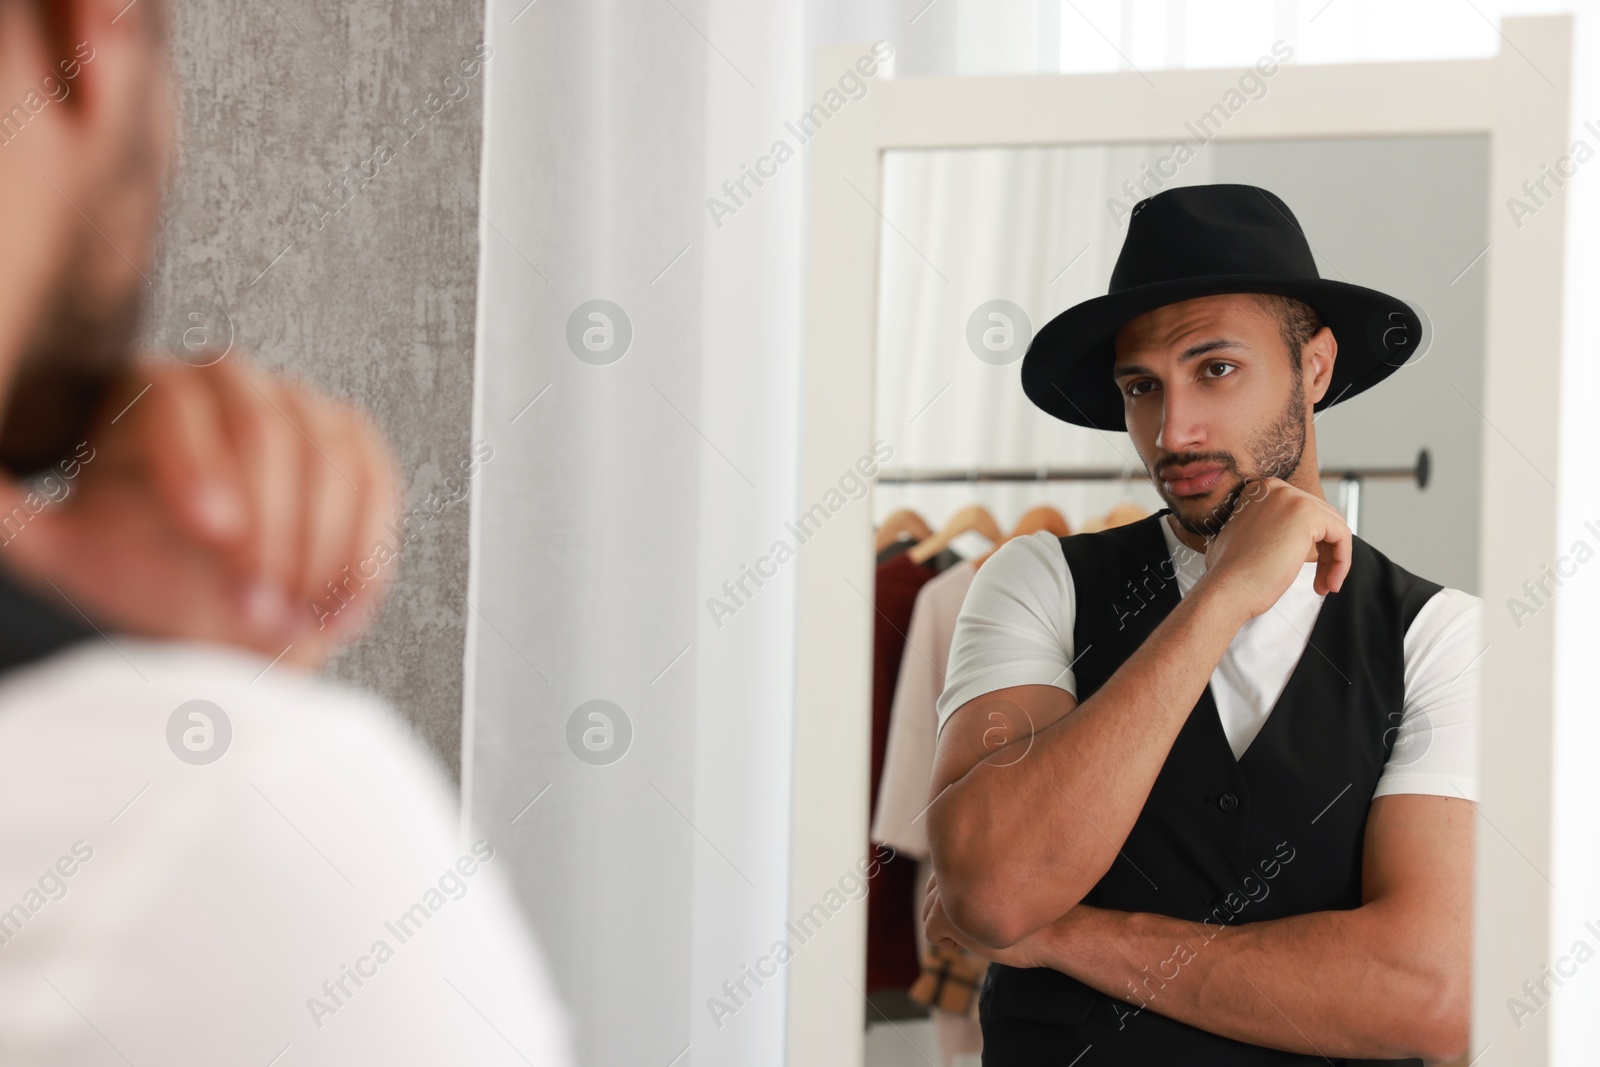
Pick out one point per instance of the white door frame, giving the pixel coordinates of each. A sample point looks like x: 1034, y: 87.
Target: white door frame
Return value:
x: 1506, y: 97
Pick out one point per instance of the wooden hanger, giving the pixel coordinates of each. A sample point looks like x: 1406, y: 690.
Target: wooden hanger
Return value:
x: 1043, y: 517
x: 972, y: 517
x: 1122, y: 514
x: 904, y: 523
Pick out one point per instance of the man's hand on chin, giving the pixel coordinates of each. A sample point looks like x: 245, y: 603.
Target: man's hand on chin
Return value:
x: 213, y: 503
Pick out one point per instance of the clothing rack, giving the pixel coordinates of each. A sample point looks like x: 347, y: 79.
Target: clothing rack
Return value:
x: 1350, y: 479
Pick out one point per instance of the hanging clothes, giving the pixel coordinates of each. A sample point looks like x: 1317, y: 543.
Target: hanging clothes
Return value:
x: 892, y: 961
x: 948, y: 979
x: 1120, y: 515
x: 938, y: 564
x: 913, y: 716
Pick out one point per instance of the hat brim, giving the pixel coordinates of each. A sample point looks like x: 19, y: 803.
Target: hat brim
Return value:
x: 1067, y: 369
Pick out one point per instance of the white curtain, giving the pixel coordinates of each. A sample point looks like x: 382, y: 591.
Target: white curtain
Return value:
x: 963, y: 228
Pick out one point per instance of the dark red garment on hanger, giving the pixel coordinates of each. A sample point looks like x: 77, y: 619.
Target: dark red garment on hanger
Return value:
x: 891, y: 927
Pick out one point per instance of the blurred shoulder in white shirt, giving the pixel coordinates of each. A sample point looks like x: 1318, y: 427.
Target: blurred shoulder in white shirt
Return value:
x: 212, y: 859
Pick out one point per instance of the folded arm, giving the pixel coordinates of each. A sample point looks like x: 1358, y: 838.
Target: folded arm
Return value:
x: 1033, y: 794
x: 1385, y: 980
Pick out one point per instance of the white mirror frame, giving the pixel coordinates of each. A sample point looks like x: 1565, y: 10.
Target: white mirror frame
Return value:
x: 1505, y: 97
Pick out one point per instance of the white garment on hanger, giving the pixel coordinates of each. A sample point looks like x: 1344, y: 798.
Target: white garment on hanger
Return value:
x: 970, y: 545
x: 914, y: 715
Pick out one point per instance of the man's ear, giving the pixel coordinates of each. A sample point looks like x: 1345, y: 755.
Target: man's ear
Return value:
x: 100, y: 45
x: 58, y: 21
x: 107, y: 58
x: 1316, y: 361
x: 101, y: 51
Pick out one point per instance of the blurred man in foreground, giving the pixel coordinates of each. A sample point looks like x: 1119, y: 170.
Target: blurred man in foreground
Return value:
x: 209, y: 856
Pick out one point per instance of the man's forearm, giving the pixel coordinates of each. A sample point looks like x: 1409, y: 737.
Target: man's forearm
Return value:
x: 1328, y: 983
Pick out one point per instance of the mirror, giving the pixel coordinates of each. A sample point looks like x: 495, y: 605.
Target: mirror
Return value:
x: 980, y: 247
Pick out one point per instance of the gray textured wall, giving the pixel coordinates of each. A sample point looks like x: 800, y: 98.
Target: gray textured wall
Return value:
x: 281, y: 102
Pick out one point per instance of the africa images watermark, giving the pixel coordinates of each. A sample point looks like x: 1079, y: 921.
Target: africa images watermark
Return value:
x: 1542, y: 590
x: 44, y: 489
x: 52, y: 885
x: 342, y: 593
x: 1223, y: 913
x: 1538, y: 992
x: 1531, y: 201
x: 851, y: 85
x: 1251, y: 85
x: 52, y: 89
x: 342, y: 188
x: 337, y: 992
x: 851, y: 885
x: 1142, y: 590
x: 853, y: 484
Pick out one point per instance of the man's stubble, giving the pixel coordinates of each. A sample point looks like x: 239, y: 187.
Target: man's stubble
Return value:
x: 1275, y: 453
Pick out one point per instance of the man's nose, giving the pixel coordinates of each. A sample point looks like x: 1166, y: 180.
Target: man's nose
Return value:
x: 1182, y: 422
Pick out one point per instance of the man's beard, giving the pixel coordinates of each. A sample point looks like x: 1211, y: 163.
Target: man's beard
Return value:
x: 83, y: 340
x: 1276, y: 453
x: 80, y: 344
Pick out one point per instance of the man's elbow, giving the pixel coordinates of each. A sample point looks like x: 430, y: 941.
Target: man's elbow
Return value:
x: 992, y: 909
x: 978, y: 899
x: 985, y: 893
x: 985, y: 918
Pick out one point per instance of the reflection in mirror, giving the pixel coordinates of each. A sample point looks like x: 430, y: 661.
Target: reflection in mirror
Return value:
x: 979, y: 249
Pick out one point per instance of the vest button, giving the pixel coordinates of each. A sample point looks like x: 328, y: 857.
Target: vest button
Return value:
x: 1227, y: 802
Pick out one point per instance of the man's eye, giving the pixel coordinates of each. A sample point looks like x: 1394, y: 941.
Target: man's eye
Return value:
x: 1138, y: 388
x: 1225, y: 368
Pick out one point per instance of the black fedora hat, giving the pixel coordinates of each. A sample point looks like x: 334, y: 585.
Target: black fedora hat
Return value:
x: 1204, y: 240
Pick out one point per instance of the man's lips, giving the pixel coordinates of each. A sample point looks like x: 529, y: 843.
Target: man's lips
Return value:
x: 1193, y: 479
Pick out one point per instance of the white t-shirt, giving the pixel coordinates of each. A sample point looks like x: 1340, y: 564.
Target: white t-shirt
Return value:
x: 1016, y: 624
x: 155, y: 910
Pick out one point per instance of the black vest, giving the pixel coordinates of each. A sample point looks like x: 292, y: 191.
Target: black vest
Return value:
x: 1277, y: 832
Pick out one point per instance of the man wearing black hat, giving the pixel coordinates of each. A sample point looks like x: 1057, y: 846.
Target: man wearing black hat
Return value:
x: 1203, y: 785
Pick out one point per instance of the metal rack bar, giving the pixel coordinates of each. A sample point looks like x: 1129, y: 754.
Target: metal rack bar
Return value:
x: 1350, y: 478
x: 1417, y: 472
